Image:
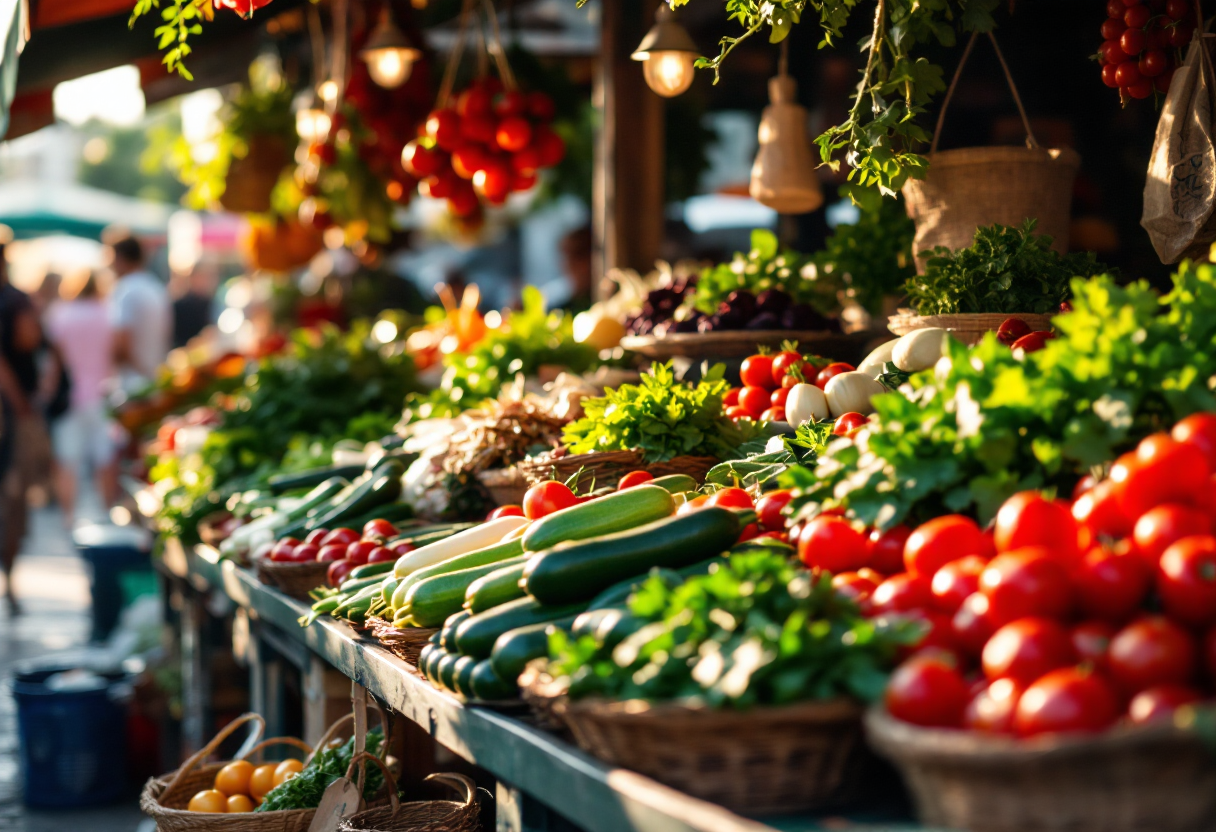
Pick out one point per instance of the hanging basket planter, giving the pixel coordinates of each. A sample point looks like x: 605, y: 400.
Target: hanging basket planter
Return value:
x: 251, y: 178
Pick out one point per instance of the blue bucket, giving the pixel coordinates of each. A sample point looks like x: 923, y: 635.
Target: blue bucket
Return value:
x: 73, y: 742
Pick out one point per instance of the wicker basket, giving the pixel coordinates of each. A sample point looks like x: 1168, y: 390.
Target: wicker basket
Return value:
x: 1148, y: 779
x: 607, y: 467
x: 763, y: 761
x: 507, y: 486
x: 252, y: 177
x: 968, y: 328
x: 294, y: 579
x: 419, y: 816
x: 404, y: 643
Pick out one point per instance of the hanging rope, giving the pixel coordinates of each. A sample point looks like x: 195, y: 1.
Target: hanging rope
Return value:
x: 496, y: 48
x: 449, y: 73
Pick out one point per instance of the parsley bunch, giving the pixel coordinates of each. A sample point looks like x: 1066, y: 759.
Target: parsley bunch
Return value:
x: 305, y: 789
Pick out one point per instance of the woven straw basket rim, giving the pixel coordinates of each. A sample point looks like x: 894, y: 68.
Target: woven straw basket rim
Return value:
x: 1002, y: 154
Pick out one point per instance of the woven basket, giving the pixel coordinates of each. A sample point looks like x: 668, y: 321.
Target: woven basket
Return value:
x: 252, y: 177
x: 763, y: 761
x: 404, y: 643
x: 607, y: 467
x: 419, y: 816
x: 294, y: 579
x: 507, y: 486
x: 1146, y: 779
x: 968, y: 328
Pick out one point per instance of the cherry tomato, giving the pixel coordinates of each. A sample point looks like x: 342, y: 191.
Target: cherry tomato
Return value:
x: 769, y: 508
x: 1026, y: 649
x: 540, y: 106
x: 731, y: 498
x: 1137, y: 17
x: 928, y: 691
x: 1111, y: 586
x: 737, y: 413
x: 1127, y: 72
x: 991, y: 710
x: 1141, y: 89
x: 331, y: 553
x: 514, y: 133
x: 378, y: 530
x: 1115, y: 8
x: 1114, y: 54
x: 443, y: 126
x: 1178, y: 9
x: 973, y: 624
x: 1091, y: 642
x: 773, y: 414
x: 833, y: 544
x: 1033, y: 342
x: 634, y: 478
x: 1199, y: 432
x: 1029, y: 519
x: 283, y: 549
x: 955, y: 581
x: 1011, y: 329
x: 1028, y: 581
x: 1068, y: 700
x: 847, y: 423
x: 788, y: 360
x: 903, y: 593
x: 750, y: 532
x: 341, y: 536
x: 402, y: 547
x: 506, y: 511
x: 855, y: 586
x: 692, y: 505
x: 831, y: 371
x: 475, y: 101
x: 544, y: 498
x: 1151, y: 651
x: 1162, y: 526
x: 552, y: 147
x: 731, y: 399
x: 305, y: 553
x: 338, y: 572
x: 358, y: 552
x: 755, y: 400
x: 1099, y: 514
x: 1157, y: 704
x: 316, y: 536
x: 420, y: 160
x: 1186, y: 580
x: 512, y: 103
x: 1160, y: 470
x: 381, y: 554
x: 1112, y: 28
x: 790, y: 382
x: 887, y: 549
x: 1153, y: 62
x: 779, y: 397
x: 757, y: 371
x: 1133, y: 41
x: 943, y: 539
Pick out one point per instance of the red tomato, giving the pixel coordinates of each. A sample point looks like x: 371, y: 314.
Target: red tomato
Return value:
x: 506, y: 511
x: 757, y: 371
x: 887, y: 549
x: 831, y: 371
x: 903, y: 593
x: 422, y: 161
x: 790, y: 382
x: 513, y: 134
x: 1115, y: 8
x: 731, y: 398
x: 833, y: 544
x: 1098, y: 512
x: 731, y: 498
x: 1157, y: 704
x: 402, y: 547
x: 1178, y: 9
x: 783, y: 362
x: 1111, y: 586
x: 1026, y: 649
x: 847, y: 423
x: 337, y: 572
x: 773, y: 414
x: 750, y: 532
x: 341, y: 536
x: 305, y: 553
x: 358, y: 552
x: 855, y: 586
x: 634, y: 478
x: 943, y: 539
x: 316, y: 536
x: 468, y: 159
x: 1199, y: 432
x: 331, y: 553
x: 1028, y: 581
x: 1160, y: 471
x: 1068, y: 700
x: 283, y: 549
x: 1186, y: 580
x: 444, y: 127
x: 769, y: 508
x: 927, y: 690
x: 544, y: 498
x: 755, y: 400
x: 692, y: 505
x: 1133, y: 41
x: 736, y: 413
x: 1091, y: 641
x: 779, y: 397
x: 1162, y: 526
x: 1209, y: 653
x: 1029, y: 519
x: 955, y: 581
x: 1035, y: 341
x: 973, y: 624
x: 378, y: 530
x: 938, y: 634
x: 991, y: 710
x: 1112, y: 28
x: 381, y: 554
x: 511, y: 103
x: 1151, y: 651
x: 1137, y: 15
x: 540, y: 106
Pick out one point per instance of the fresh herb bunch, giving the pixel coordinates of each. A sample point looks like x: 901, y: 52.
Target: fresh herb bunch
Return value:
x: 767, y: 266
x: 757, y: 630
x: 872, y: 257
x: 1126, y: 364
x: 662, y: 417
x: 755, y: 465
x: 1006, y: 269
x: 305, y: 789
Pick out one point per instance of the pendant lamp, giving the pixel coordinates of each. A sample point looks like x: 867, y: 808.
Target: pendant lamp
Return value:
x: 783, y: 175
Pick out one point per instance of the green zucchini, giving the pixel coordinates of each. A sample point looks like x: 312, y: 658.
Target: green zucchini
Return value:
x: 613, y: 513
x: 573, y: 572
x: 282, y: 483
x: 432, y: 600
x: 513, y: 650
x: 499, y: 587
x: 352, y: 586
x: 425, y: 653
x: 315, y: 499
x: 498, y: 554
x: 428, y: 669
x: 462, y: 675
x: 387, y: 588
x: 447, y: 635
x: 444, y: 669
x: 675, y: 483
x: 369, y: 570
x: 488, y: 687
x: 475, y: 636
x: 382, y: 487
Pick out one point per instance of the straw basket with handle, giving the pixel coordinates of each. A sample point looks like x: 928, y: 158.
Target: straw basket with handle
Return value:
x: 605, y: 468
x: 419, y: 816
x: 974, y: 186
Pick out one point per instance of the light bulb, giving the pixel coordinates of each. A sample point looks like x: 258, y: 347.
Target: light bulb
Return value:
x: 669, y: 73
x: 312, y: 124
x: 390, y: 68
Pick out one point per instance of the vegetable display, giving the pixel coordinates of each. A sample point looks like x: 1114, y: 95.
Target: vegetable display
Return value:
x: 304, y: 790
x: 1142, y: 45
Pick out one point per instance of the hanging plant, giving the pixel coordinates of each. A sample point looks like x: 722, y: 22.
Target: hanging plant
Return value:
x: 183, y: 18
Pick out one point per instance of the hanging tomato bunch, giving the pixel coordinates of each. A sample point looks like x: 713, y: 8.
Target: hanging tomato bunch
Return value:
x: 245, y: 8
x: 1142, y: 44
x: 493, y: 142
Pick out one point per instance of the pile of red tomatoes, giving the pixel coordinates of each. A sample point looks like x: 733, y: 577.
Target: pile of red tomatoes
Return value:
x: 491, y: 143
x: 343, y: 549
x: 1142, y: 42
x: 1064, y: 616
x: 768, y: 379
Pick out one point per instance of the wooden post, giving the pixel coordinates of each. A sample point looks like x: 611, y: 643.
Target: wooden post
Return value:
x: 628, y: 188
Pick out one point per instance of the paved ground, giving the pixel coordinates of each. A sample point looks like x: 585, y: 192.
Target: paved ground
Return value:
x: 53, y: 587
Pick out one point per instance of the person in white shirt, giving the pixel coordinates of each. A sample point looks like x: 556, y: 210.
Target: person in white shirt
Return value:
x: 141, y: 316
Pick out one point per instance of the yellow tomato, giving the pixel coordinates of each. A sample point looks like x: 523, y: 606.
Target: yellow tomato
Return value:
x: 287, y: 770
x: 208, y: 801
x: 262, y: 780
x: 240, y: 803
x: 234, y: 778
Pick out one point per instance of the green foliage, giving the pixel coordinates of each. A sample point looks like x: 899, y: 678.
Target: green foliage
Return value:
x: 756, y: 466
x: 1006, y: 269
x: 767, y: 266
x: 661, y: 417
x: 872, y: 257
x: 181, y: 20
x: 757, y: 630
x: 305, y: 789
x: 1126, y: 364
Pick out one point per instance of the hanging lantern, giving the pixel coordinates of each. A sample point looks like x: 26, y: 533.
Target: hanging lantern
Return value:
x: 312, y: 124
x: 389, y: 55
x: 667, y: 54
x: 783, y: 175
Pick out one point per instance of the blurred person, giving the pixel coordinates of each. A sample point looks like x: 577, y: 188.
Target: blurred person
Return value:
x: 141, y: 317
x: 193, y: 308
x: 78, y: 326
